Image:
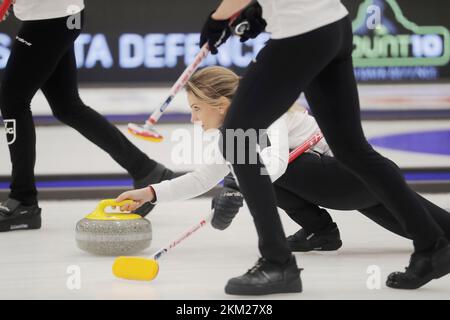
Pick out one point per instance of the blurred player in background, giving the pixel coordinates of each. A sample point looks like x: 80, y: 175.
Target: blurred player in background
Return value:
x: 43, y: 57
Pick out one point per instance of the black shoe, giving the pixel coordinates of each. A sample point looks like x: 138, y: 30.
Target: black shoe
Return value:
x: 15, y: 216
x: 328, y: 239
x: 267, y: 278
x: 158, y: 174
x: 423, y: 267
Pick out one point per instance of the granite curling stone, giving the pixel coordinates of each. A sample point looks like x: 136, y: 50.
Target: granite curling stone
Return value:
x: 113, y: 234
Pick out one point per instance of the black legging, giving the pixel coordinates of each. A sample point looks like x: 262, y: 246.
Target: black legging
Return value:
x: 49, y: 64
x: 314, y: 180
x: 318, y: 63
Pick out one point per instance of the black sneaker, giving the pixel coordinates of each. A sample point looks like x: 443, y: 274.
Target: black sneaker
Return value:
x: 15, y: 216
x: 423, y: 267
x: 158, y: 174
x: 267, y: 278
x: 328, y: 239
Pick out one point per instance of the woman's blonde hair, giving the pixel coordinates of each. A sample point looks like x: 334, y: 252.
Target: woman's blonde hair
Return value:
x: 211, y: 83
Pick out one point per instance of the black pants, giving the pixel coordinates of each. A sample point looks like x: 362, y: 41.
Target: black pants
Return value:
x: 47, y: 61
x: 314, y: 180
x: 318, y: 63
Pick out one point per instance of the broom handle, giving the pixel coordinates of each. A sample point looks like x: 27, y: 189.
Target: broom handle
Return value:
x: 185, y: 235
x: 184, y: 78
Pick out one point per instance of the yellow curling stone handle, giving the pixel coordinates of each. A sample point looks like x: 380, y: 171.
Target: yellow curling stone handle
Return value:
x: 100, y: 214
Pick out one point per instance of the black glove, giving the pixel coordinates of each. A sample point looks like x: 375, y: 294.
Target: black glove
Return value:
x: 215, y: 33
x: 256, y: 23
x: 226, y: 204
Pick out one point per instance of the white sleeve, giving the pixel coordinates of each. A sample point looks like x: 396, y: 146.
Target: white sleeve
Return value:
x: 206, y: 177
x: 192, y: 184
x: 276, y: 156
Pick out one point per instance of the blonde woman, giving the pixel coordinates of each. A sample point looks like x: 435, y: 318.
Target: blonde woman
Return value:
x: 314, y: 179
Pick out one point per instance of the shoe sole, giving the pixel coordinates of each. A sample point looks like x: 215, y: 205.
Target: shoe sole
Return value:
x: 292, y: 287
x: 32, y: 223
x: 442, y: 270
x: 325, y: 248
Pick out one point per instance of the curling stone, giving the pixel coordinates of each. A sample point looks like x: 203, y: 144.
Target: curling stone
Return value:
x: 113, y: 234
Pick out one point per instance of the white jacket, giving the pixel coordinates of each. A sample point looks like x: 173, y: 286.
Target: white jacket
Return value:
x: 288, y: 18
x: 288, y: 132
x: 26, y: 10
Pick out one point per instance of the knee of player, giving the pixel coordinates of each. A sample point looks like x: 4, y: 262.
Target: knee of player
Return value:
x: 351, y: 154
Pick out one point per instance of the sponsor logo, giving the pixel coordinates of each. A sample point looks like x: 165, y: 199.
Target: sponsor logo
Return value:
x: 24, y: 41
x: 10, y: 128
x: 395, y: 41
